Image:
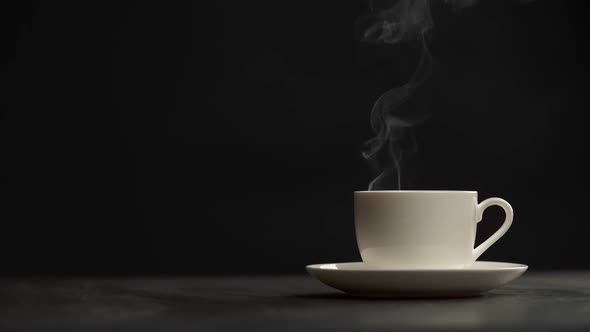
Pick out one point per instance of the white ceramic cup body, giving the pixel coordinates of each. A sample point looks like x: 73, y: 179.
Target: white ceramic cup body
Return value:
x: 422, y: 229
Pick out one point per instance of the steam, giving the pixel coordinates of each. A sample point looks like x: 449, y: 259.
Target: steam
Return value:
x: 392, y: 116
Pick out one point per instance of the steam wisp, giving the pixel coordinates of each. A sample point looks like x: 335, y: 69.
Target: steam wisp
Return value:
x: 392, y: 117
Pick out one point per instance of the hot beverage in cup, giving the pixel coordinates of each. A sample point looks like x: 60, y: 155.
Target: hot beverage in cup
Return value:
x: 422, y: 229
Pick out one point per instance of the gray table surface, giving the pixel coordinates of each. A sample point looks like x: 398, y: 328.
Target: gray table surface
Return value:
x: 547, y: 301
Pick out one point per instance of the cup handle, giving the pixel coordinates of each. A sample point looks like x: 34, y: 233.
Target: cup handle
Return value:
x: 501, y: 231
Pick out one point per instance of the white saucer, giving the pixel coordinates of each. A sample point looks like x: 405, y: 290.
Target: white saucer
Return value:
x: 358, y: 280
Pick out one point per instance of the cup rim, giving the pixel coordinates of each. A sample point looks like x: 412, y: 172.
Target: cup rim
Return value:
x: 415, y: 192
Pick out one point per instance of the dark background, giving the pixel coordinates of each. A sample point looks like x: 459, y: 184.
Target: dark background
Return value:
x: 163, y: 137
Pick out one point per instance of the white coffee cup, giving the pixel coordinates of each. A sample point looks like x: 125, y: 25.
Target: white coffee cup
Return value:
x: 422, y: 229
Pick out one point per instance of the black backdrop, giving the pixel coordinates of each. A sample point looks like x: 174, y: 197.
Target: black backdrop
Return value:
x: 167, y: 137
